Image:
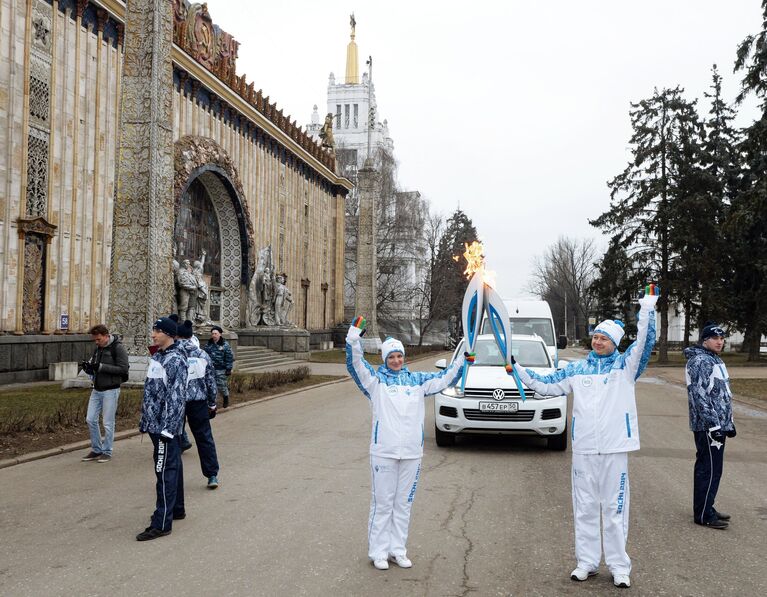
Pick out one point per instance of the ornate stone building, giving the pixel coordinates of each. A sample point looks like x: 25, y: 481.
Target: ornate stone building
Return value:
x: 245, y: 177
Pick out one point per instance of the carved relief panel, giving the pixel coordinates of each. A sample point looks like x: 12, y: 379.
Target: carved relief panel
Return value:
x: 34, y: 283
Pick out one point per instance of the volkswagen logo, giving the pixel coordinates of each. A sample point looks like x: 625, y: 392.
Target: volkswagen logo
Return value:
x: 499, y: 394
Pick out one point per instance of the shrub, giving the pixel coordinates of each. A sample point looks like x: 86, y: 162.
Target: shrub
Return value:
x: 240, y: 383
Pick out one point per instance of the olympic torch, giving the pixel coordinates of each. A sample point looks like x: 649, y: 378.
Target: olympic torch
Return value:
x: 480, y: 299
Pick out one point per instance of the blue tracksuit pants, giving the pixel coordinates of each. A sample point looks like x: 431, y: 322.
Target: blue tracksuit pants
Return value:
x: 708, y: 471
x: 199, y: 423
x: 170, y: 481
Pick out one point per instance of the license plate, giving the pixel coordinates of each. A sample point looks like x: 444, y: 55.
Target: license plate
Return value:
x: 504, y: 407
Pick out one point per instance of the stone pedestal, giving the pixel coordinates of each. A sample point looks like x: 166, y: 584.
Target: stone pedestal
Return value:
x: 292, y: 342
x: 141, y: 284
x: 366, y: 288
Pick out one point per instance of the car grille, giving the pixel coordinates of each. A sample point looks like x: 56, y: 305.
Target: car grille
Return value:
x: 448, y: 411
x: 488, y: 393
x: 474, y: 414
x: 550, y: 413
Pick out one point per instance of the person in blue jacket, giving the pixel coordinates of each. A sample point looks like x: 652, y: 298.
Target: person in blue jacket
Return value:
x: 162, y: 417
x: 710, y: 402
x: 221, y: 356
x: 396, y: 440
x: 200, y: 401
x: 604, y: 428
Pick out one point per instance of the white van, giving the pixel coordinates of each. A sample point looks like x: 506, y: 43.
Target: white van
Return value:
x: 530, y: 317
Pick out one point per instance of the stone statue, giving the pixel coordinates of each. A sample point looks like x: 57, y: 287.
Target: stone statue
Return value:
x: 187, y: 291
x: 283, y: 300
x: 326, y: 132
x: 175, y: 278
x: 202, y: 315
x: 261, y: 291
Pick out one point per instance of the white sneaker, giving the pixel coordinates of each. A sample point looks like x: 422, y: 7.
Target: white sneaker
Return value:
x: 381, y: 564
x: 622, y: 580
x: 580, y: 574
x: 401, y: 561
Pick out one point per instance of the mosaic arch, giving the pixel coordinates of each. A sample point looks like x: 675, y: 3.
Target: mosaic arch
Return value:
x: 202, y: 167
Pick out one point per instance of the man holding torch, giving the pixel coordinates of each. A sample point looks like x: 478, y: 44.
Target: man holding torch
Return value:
x: 604, y: 429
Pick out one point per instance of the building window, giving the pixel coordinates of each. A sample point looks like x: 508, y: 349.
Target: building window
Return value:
x: 346, y: 116
x: 338, y: 116
x: 356, y: 115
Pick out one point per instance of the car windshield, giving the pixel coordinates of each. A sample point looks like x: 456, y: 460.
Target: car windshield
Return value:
x: 527, y: 326
x: 528, y: 353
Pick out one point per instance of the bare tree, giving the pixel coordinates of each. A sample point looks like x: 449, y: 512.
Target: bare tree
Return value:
x: 563, y: 276
x: 433, y: 229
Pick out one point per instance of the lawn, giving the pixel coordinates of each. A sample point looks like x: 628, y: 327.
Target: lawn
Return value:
x: 45, y: 416
x: 750, y: 388
x: 338, y: 355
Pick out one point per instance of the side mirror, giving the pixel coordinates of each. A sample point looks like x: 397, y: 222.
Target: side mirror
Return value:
x: 562, y: 342
x: 441, y: 364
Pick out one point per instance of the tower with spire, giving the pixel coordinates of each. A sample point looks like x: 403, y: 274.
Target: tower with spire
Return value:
x: 350, y: 103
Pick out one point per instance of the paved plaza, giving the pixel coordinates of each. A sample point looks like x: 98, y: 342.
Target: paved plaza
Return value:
x: 491, y: 516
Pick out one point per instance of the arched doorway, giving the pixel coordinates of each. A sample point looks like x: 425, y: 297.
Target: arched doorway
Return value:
x: 213, y: 227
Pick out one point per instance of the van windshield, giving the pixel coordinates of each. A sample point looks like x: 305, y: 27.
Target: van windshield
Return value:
x: 527, y: 326
x: 528, y: 353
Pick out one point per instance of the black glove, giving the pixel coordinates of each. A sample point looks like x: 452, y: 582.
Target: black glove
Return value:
x: 717, y: 435
x: 228, y: 372
x: 88, y: 367
x: 732, y: 433
x: 211, y: 412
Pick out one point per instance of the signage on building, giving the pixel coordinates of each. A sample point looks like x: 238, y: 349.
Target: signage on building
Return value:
x: 64, y: 321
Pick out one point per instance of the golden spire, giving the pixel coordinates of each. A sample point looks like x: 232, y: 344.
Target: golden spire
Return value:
x: 352, y: 68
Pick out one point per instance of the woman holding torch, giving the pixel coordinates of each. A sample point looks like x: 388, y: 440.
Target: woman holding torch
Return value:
x: 396, y: 397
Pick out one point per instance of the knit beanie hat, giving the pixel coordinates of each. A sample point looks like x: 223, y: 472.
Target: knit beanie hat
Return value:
x: 389, y: 346
x: 216, y: 328
x: 185, y: 330
x: 711, y: 330
x: 167, y: 326
x: 613, y: 329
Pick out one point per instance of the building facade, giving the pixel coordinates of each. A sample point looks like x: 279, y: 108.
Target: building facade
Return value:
x: 246, y: 177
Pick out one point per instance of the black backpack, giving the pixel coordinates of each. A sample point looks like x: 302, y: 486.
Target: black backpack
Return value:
x: 113, y: 350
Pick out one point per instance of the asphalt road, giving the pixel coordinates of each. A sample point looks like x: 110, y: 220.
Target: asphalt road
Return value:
x: 491, y: 516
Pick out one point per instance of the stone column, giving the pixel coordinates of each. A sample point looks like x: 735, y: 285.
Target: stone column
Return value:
x: 141, y: 281
x: 366, y: 289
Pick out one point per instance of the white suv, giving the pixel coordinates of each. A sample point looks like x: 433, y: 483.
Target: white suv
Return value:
x: 491, y: 402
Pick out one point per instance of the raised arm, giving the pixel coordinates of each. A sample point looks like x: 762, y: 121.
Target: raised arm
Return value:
x: 554, y: 384
x: 638, y: 354
x: 361, y: 371
x: 433, y: 383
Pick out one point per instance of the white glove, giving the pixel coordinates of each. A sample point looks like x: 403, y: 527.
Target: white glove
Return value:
x: 651, y: 296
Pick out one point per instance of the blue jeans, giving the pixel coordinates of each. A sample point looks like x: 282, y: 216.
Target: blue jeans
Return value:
x: 105, y: 403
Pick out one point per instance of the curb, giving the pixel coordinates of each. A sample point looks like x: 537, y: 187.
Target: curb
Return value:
x: 81, y: 445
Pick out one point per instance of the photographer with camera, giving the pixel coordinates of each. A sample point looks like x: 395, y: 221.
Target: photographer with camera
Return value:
x: 108, y: 368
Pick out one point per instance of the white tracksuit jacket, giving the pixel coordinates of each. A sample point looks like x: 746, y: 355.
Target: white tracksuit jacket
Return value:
x: 604, y: 403
x: 397, y: 400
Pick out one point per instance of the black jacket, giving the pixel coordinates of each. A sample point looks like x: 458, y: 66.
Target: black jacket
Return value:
x: 111, y: 365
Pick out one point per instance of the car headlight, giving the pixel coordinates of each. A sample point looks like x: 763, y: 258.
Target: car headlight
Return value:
x: 453, y: 392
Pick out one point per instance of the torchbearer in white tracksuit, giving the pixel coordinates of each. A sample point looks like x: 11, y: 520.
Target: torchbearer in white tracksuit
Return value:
x: 604, y: 429
x: 396, y: 443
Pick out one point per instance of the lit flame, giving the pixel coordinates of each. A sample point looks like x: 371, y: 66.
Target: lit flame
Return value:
x: 475, y: 262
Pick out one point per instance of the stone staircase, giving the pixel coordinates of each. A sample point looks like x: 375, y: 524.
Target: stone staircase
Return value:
x: 257, y: 359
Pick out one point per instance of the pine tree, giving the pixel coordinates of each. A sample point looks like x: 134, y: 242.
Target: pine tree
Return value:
x: 448, y: 280
x: 641, y: 211
x: 747, y: 221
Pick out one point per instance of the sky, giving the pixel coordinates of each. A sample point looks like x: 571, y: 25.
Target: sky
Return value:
x: 516, y: 112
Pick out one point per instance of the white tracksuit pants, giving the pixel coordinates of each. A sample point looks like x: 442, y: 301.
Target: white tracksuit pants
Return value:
x: 601, y: 481
x: 394, y: 483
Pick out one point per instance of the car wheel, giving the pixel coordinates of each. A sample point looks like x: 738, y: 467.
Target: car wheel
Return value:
x: 443, y: 438
x: 558, y: 442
